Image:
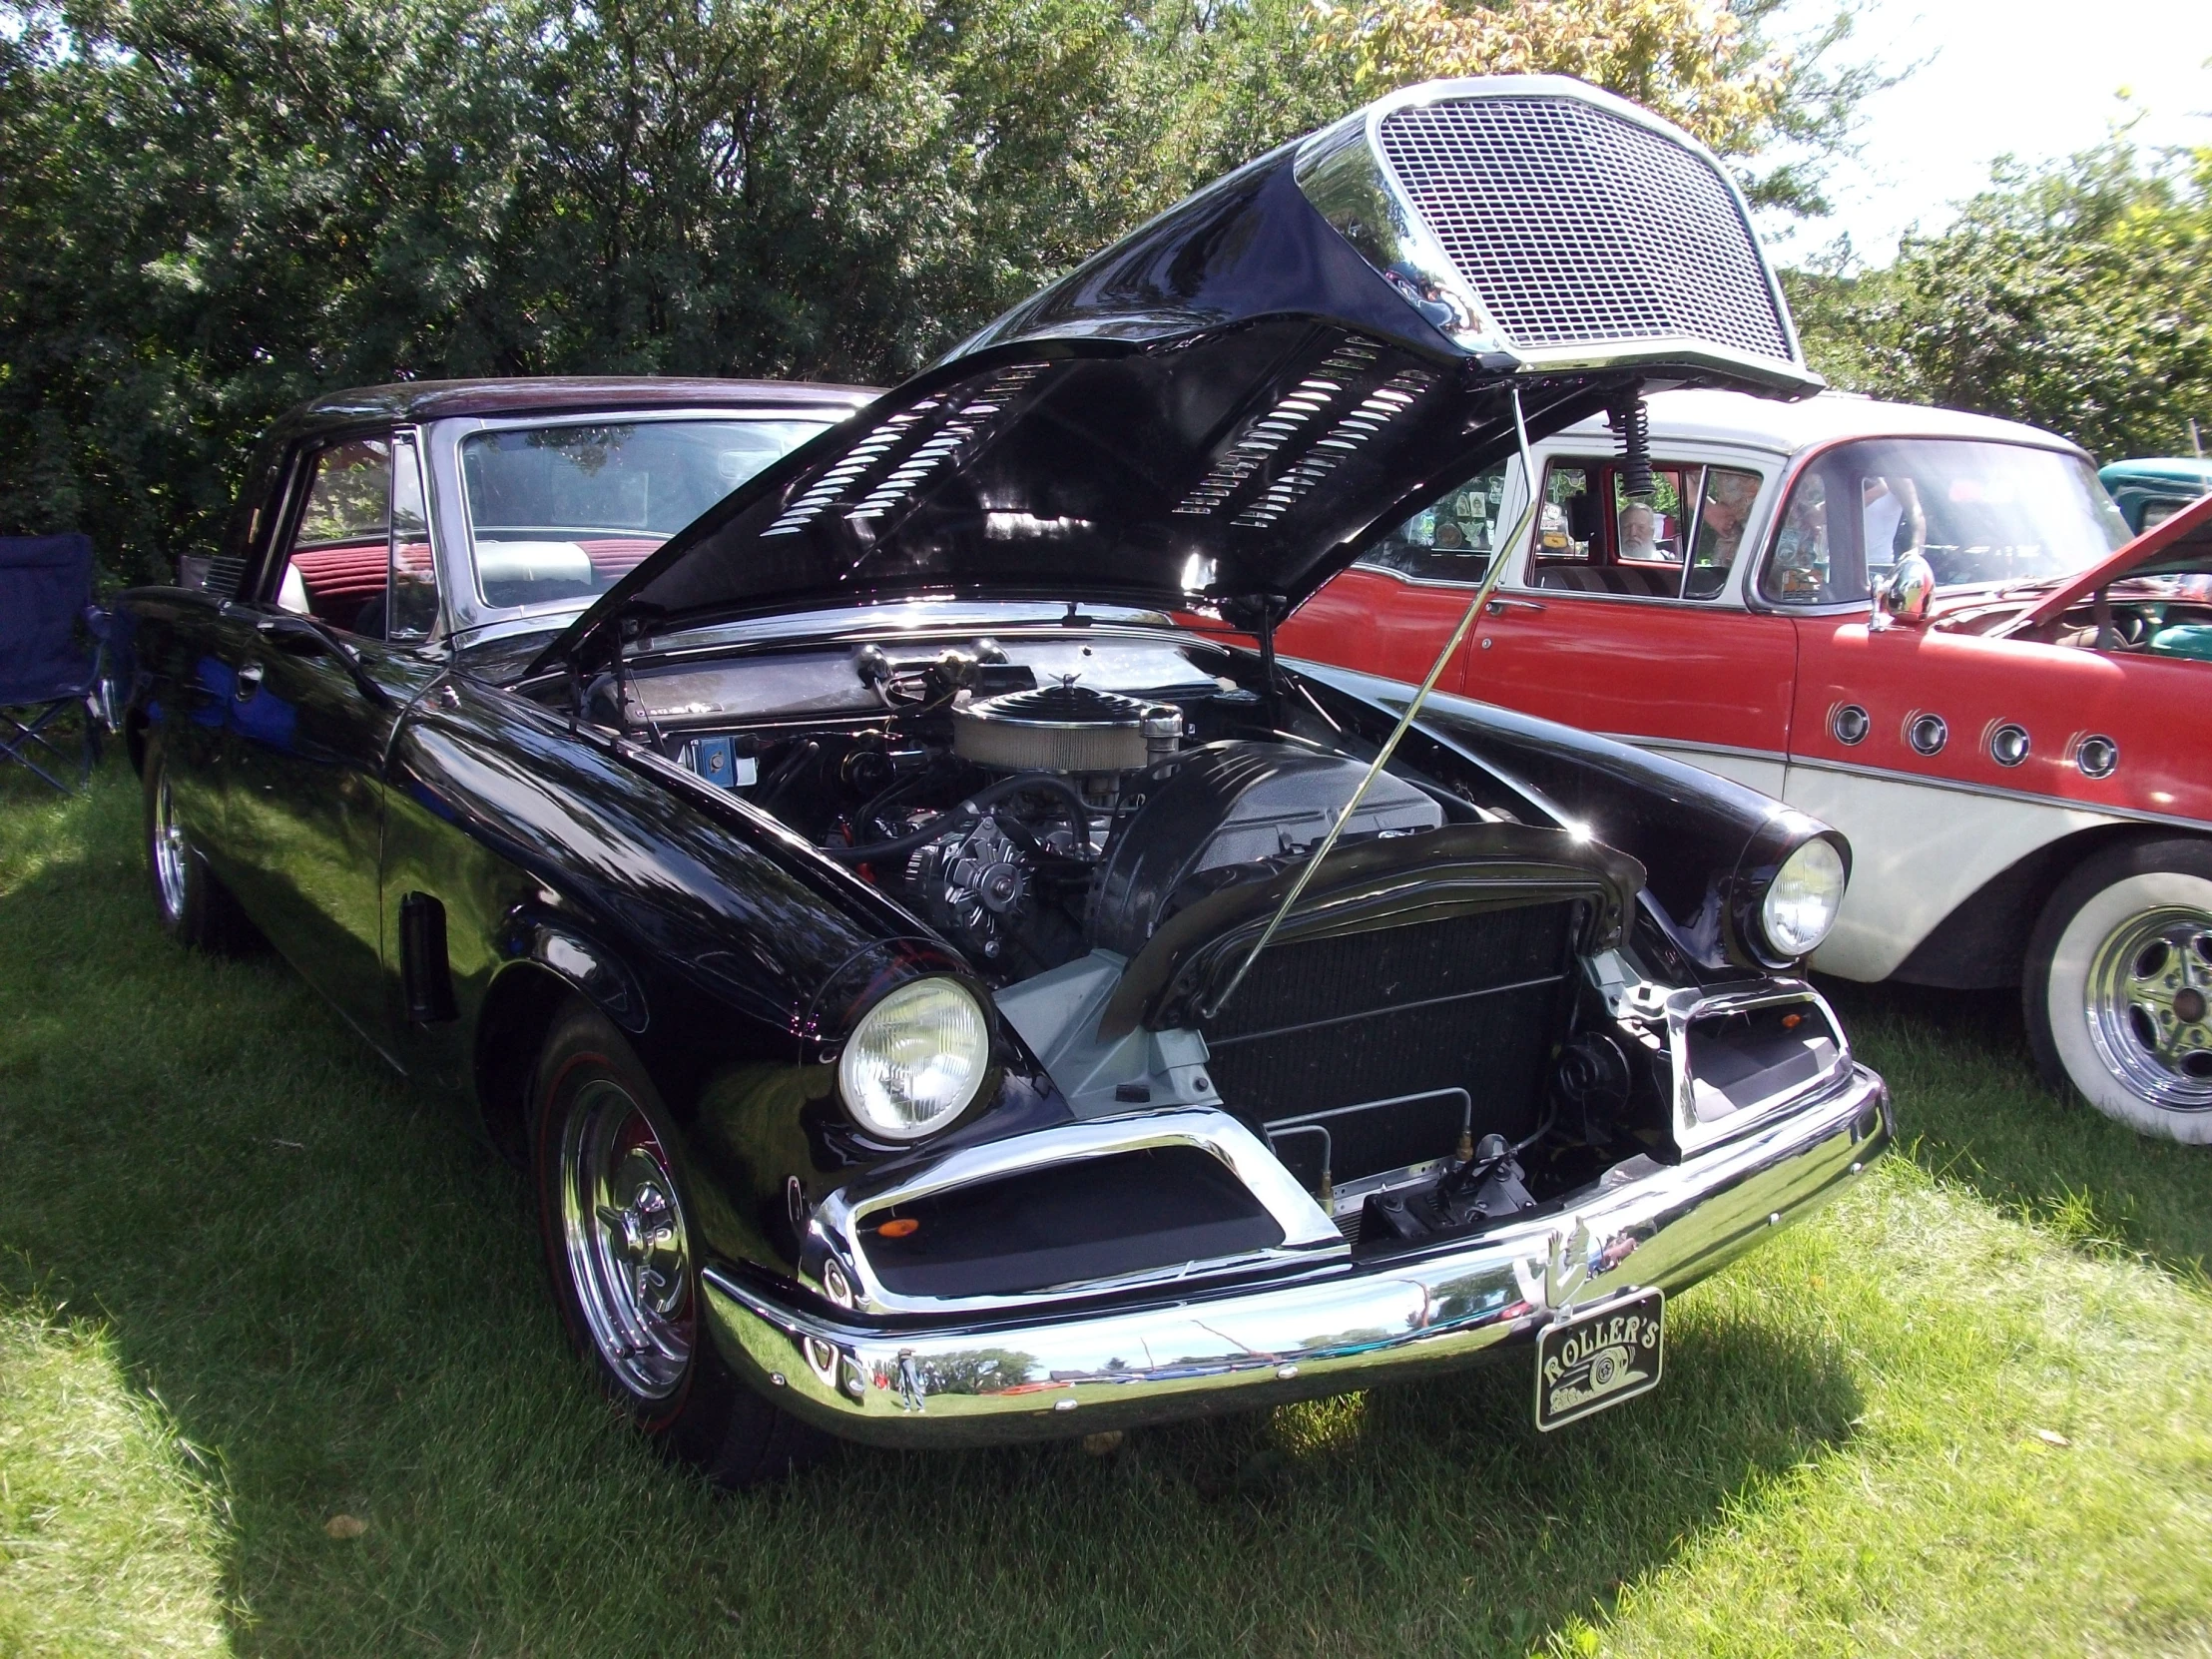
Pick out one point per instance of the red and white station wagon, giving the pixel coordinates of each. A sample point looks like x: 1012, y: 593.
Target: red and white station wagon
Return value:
x: 2011, y: 732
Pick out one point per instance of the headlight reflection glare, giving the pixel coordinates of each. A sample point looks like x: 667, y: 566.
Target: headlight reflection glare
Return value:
x: 915, y: 1060
x: 1801, y: 903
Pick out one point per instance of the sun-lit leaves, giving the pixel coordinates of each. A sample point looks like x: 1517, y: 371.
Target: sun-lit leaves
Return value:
x: 2078, y: 298
x: 210, y: 209
x: 1689, y: 60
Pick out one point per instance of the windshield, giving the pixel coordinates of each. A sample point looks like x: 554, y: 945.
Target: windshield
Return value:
x: 563, y: 512
x: 1979, y: 514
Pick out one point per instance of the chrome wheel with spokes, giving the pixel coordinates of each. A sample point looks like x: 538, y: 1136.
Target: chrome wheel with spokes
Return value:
x: 623, y: 1253
x: 168, y: 852
x: 2149, y: 1005
x: 194, y: 909
x: 2119, y: 986
x: 629, y: 1255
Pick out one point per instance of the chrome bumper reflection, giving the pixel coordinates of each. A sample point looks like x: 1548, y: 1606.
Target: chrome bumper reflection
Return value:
x: 941, y: 1382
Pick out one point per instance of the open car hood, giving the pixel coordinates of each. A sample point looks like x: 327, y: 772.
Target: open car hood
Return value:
x: 2183, y: 543
x: 1233, y: 400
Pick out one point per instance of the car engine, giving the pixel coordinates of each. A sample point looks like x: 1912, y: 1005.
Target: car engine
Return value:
x: 1102, y: 826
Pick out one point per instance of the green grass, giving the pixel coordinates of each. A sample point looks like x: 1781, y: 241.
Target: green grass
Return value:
x: 250, y: 1281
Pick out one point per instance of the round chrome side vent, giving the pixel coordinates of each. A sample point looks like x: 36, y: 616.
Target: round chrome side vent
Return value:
x: 1848, y: 724
x: 1928, y: 733
x: 2008, y: 744
x: 2097, y: 757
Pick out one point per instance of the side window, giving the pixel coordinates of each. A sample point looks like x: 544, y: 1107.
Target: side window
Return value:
x: 1651, y: 532
x: 1450, y: 540
x: 1593, y: 537
x: 341, y: 554
x: 411, y: 602
x: 1728, y: 496
x: 1802, y: 568
x: 1567, y: 527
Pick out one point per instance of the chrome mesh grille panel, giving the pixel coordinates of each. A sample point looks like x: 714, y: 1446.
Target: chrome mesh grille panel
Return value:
x: 1575, y: 227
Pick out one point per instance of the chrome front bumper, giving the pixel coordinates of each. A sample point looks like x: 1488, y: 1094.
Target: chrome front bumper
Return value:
x: 937, y: 1383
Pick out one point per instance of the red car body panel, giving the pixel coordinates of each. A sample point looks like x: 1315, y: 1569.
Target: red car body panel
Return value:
x: 1753, y: 689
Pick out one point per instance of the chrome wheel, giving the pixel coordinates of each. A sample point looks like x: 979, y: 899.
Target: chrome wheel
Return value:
x: 2149, y: 1005
x: 170, y: 853
x: 628, y: 1255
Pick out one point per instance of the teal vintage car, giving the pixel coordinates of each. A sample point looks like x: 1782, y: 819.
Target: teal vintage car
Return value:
x: 2151, y: 491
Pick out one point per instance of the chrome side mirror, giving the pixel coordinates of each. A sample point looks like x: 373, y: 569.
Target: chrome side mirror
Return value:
x: 1904, y: 599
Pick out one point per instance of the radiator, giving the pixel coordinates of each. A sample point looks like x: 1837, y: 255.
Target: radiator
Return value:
x: 1394, y: 1040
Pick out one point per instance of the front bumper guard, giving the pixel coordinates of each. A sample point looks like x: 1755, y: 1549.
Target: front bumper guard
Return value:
x: 1047, y: 1374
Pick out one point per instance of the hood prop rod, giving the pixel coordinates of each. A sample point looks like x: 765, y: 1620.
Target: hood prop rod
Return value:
x: 1503, y: 553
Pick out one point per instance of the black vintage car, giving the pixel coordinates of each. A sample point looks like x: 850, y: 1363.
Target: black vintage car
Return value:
x: 950, y: 981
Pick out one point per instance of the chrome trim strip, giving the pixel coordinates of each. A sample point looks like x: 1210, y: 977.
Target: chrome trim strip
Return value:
x: 1309, y: 1235
x: 1996, y: 791
x: 1890, y: 775
x: 1689, y: 746
x: 1642, y: 1225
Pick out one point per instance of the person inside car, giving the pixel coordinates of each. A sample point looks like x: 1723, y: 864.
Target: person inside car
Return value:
x: 1886, y: 503
x: 1640, y: 532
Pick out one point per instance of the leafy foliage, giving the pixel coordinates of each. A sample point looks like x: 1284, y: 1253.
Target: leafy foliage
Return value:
x: 210, y: 209
x: 2078, y: 298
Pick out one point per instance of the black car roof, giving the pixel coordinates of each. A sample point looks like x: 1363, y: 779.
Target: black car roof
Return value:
x: 554, y: 395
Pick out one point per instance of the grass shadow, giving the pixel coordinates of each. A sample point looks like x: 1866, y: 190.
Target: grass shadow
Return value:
x: 1971, y: 1109
x: 337, y: 1294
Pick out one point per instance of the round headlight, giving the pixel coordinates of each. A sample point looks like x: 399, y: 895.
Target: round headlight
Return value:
x: 916, y: 1059
x: 1801, y: 903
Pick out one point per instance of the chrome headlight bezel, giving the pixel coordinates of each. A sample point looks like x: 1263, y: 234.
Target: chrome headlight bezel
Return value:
x: 1798, y: 908
x: 916, y: 1060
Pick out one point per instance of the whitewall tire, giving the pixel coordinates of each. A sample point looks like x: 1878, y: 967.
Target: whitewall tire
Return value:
x: 2119, y: 988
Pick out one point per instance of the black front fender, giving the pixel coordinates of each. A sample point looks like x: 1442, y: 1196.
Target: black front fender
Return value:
x: 1709, y: 847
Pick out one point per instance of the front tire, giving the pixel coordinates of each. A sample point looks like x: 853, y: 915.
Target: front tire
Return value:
x: 623, y: 1249
x: 2118, y: 988
x: 193, y: 907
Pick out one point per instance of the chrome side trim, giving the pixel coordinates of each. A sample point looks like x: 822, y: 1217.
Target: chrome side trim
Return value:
x: 1341, y: 173
x: 1690, y: 746
x: 1995, y: 791
x: 1056, y: 1373
x: 1309, y: 1235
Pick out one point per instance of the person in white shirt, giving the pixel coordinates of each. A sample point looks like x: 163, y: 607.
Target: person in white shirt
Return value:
x: 1886, y: 503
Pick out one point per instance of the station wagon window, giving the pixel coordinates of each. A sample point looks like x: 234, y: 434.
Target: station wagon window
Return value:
x: 1592, y: 537
x: 1981, y: 514
x: 563, y: 512
x: 1450, y: 540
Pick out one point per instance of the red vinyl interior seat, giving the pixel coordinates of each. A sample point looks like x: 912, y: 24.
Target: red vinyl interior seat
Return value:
x: 614, y: 557
x: 341, y: 577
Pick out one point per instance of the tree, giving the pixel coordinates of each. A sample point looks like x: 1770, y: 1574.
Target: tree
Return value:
x: 215, y: 207
x: 2077, y: 297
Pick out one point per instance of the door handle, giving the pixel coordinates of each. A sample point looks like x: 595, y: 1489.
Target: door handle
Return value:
x: 1499, y: 607
x: 248, y: 680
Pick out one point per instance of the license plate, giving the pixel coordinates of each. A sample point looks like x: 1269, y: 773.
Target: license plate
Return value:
x: 1600, y: 1357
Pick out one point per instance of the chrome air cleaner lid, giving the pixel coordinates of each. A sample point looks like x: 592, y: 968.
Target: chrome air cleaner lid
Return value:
x: 1066, y: 727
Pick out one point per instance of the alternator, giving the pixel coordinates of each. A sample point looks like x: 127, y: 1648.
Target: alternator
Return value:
x: 975, y: 884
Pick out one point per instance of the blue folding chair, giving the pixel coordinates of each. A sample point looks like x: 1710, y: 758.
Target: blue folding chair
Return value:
x: 47, y: 666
